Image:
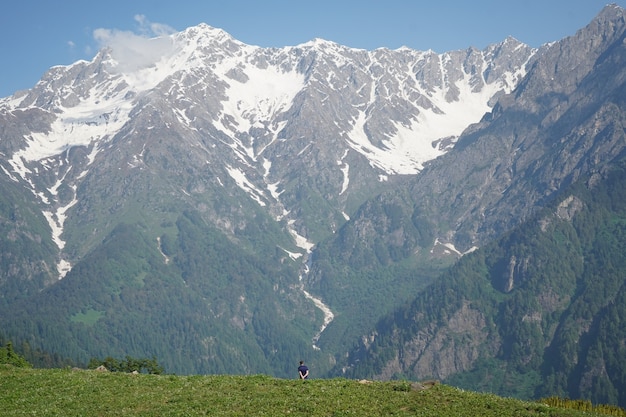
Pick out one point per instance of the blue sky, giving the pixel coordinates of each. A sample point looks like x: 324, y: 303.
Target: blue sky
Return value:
x: 38, y: 34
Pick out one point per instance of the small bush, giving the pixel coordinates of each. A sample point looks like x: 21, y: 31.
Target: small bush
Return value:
x: 148, y: 366
x: 402, y: 386
x: 9, y: 357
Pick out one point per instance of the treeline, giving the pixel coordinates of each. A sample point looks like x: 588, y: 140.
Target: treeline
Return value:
x: 36, y: 357
x: 8, y: 356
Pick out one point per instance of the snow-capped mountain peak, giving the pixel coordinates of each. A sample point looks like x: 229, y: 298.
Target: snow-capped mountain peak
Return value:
x: 258, y: 84
x: 258, y: 114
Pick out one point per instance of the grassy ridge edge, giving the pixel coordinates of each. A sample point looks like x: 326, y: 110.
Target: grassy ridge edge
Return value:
x: 69, y: 392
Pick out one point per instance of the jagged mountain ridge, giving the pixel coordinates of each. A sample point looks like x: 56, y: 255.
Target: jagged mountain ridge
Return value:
x: 536, y: 140
x: 261, y: 114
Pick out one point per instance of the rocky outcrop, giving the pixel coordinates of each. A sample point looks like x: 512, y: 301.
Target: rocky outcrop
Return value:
x: 438, y: 352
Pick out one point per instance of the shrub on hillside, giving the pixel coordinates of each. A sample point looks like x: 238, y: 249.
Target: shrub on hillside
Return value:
x: 149, y: 366
x: 8, y: 356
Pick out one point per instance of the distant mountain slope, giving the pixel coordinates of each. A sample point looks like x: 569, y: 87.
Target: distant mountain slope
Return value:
x: 565, y: 120
x: 535, y: 313
x: 307, y: 132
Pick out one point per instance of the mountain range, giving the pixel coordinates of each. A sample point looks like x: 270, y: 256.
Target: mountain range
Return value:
x: 230, y: 208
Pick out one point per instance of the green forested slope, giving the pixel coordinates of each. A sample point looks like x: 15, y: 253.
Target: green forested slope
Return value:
x: 551, y: 298
x: 202, y: 305
x: 25, y: 247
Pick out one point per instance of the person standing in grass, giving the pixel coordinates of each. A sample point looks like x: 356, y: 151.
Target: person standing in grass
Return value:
x: 303, y: 371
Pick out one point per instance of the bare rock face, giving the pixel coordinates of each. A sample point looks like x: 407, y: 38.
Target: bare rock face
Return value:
x: 443, y: 351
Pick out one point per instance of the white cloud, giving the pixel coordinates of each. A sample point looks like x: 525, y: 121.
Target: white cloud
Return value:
x: 150, y: 28
x: 134, y: 51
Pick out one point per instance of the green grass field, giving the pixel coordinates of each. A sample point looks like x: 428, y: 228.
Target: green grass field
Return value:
x: 66, y: 392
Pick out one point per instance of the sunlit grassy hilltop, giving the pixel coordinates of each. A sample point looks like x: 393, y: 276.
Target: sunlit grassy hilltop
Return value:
x: 66, y: 392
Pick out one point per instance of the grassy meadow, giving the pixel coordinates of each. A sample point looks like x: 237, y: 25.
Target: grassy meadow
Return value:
x: 70, y: 392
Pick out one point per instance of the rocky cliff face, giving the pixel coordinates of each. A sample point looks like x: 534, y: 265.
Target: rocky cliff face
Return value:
x: 441, y: 351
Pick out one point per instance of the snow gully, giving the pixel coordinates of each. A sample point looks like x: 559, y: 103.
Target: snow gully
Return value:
x: 303, y: 243
x: 328, y: 314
